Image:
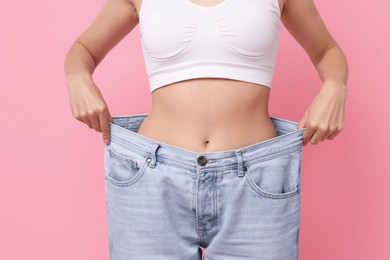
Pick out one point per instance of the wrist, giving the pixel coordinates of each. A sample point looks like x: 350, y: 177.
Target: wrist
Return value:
x: 335, y: 84
x: 75, y: 78
x: 335, y: 88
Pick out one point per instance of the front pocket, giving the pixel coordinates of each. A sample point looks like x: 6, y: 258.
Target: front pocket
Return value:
x: 276, y: 178
x: 123, y: 170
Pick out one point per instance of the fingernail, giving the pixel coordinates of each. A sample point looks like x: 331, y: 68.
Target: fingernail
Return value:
x: 106, y: 141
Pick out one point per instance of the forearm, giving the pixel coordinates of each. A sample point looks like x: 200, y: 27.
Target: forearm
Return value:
x: 333, y: 68
x: 78, y: 64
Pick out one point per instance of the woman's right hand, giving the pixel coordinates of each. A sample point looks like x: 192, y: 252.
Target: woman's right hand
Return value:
x: 88, y: 105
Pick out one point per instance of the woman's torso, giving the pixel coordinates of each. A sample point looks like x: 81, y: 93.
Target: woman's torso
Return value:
x: 209, y: 114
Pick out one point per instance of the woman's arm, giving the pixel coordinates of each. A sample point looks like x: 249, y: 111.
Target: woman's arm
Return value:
x: 115, y: 20
x: 324, y: 118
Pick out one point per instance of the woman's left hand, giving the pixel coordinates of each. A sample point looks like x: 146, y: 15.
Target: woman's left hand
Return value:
x: 324, y: 118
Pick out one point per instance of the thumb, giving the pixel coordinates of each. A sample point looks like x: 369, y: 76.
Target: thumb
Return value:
x: 302, y: 122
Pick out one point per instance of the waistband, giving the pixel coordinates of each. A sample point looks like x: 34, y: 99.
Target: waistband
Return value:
x: 123, y: 131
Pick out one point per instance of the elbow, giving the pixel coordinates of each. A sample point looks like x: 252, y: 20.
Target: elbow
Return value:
x: 94, y: 59
x: 320, y: 54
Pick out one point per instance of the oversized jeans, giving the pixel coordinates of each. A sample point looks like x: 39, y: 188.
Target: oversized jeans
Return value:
x: 164, y: 202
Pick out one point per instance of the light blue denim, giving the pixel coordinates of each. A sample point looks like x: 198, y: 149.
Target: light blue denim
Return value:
x: 163, y: 201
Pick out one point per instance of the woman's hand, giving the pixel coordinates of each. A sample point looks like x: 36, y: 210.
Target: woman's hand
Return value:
x: 324, y: 119
x: 116, y: 19
x: 88, y: 105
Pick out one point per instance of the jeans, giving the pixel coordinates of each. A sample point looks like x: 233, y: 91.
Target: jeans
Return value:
x: 164, y: 202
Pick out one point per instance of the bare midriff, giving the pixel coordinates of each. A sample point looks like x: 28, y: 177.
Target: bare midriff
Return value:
x: 209, y: 114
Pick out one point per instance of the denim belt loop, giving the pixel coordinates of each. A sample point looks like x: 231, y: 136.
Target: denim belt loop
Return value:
x: 240, y: 162
x: 153, y: 160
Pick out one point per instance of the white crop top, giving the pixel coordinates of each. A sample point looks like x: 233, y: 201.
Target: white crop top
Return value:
x: 235, y: 39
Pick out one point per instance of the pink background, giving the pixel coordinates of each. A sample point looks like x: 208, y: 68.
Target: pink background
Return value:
x: 52, y: 197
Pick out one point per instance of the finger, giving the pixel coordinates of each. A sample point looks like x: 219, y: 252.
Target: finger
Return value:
x: 326, y: 134
x: 95, y: 123
x: 332, y: 132
x: 105, y: 126
x: 87, y: 122
x: 308, y: 134
x: 105, y: 119
x: 318, y: 135
x: 333, y: 135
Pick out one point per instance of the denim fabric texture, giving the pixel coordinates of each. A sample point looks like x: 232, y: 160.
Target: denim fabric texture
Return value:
x: 163, y: 201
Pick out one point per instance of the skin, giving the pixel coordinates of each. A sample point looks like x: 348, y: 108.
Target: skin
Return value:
x: 210, y: 114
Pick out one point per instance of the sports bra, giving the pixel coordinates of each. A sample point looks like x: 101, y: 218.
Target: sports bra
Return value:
x: 235, y: 39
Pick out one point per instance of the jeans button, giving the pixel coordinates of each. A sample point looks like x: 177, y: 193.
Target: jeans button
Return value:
x: 202, y: 161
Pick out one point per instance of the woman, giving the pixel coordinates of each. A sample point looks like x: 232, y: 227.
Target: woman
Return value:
x: 208, y: 166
